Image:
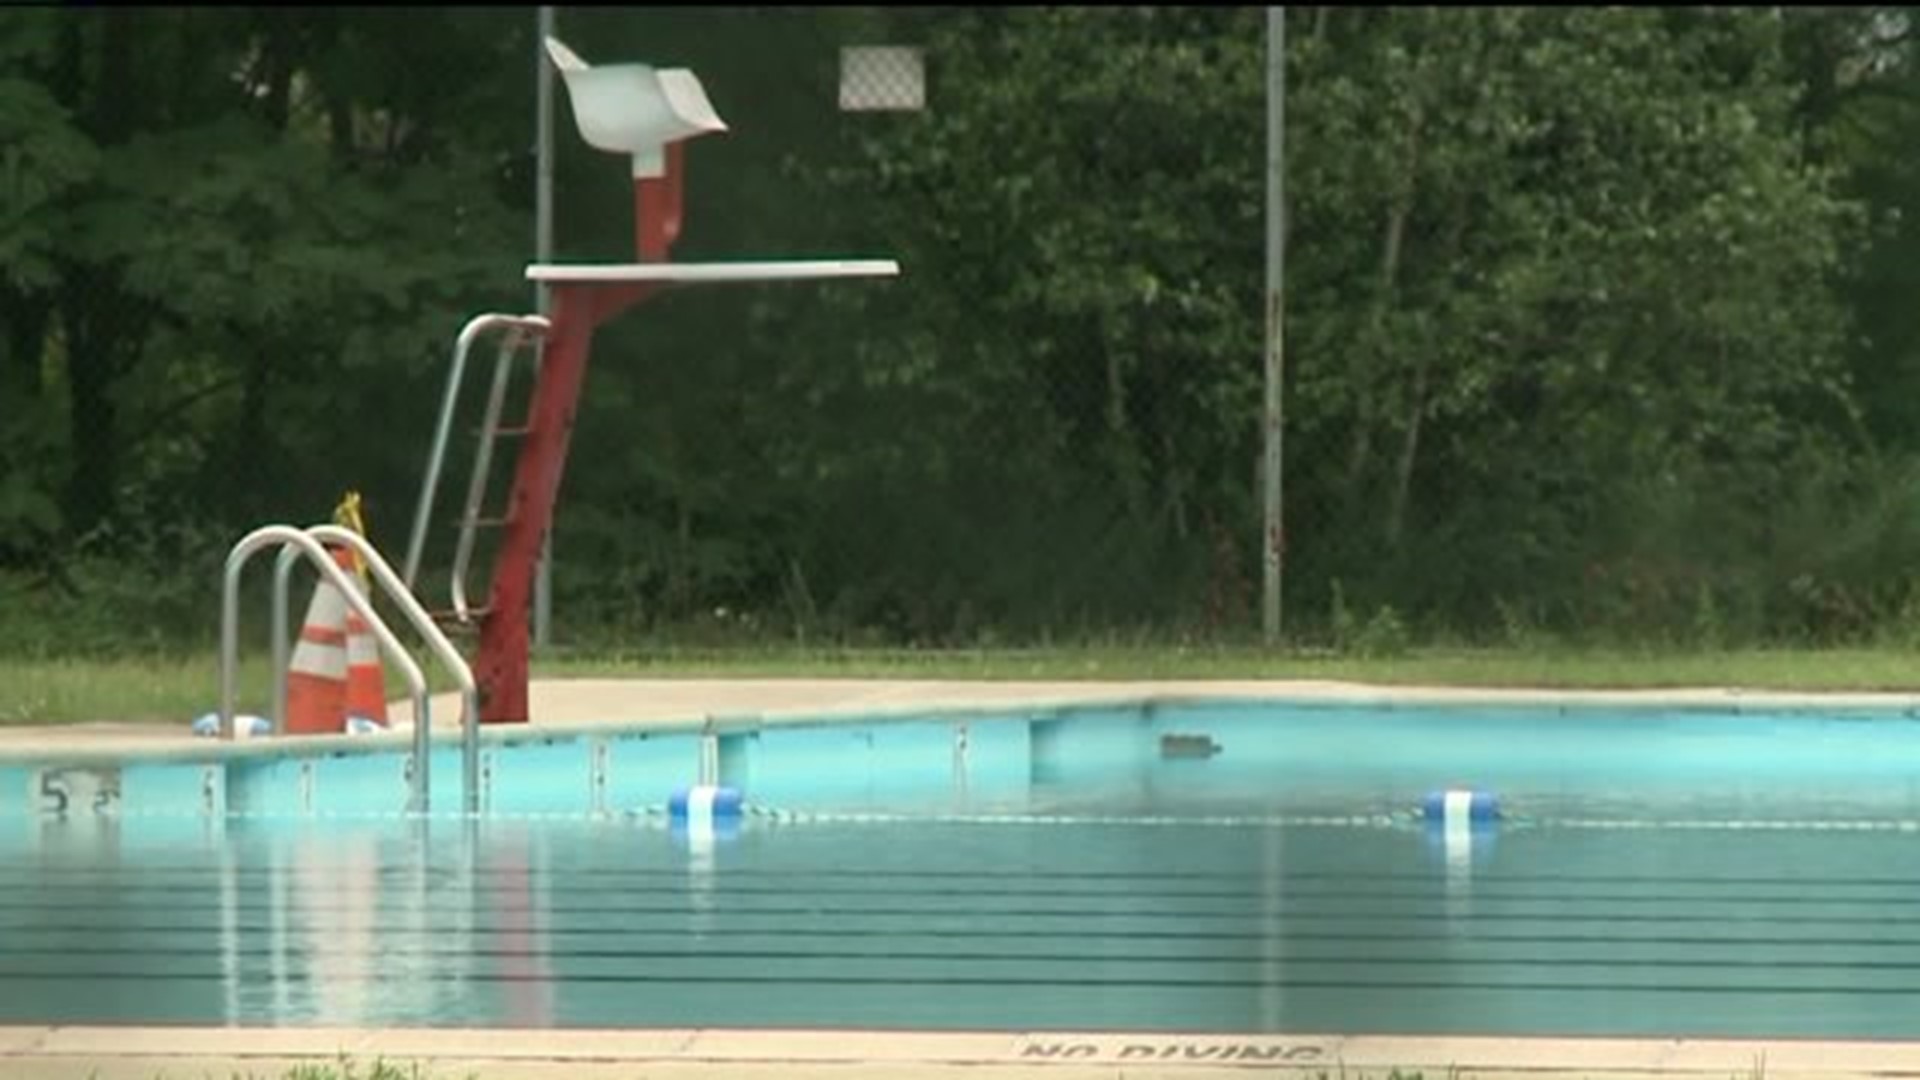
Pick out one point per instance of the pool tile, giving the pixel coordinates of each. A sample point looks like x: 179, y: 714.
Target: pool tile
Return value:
x: 19, y: 1040
x: 1781, y: 1057
x: 199, y: 1041
x: 547, y: 1045
x: 849, y: 1046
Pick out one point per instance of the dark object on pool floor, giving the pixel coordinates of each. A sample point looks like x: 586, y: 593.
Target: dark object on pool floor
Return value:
x: 1188, y: 746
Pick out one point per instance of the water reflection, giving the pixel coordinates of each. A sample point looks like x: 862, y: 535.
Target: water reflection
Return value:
x: 280, y: 895
x: 407, y: 924
x: 700, y: 844
x: 336, y: 902
x: 225, y: 859
x: 1167, y: 927
x: 150, y: 920
x: 519, y: 913
x: 1273, y: 918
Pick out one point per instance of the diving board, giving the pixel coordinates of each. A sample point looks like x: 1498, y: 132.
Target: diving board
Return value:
x: 647, y: 114
x: 716, y: 273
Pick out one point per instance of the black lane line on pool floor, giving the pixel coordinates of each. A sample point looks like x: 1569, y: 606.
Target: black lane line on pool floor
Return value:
x: 137, y: 871
x: 1484, y: 891
x: 386, y: 952
x: 1285, y: 936
x: 1000, y: 983
x: 714, y: 905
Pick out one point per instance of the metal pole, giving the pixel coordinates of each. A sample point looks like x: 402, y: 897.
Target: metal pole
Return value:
x: 543, y: 252
x: 1275, y: 534
x: 282, y: 643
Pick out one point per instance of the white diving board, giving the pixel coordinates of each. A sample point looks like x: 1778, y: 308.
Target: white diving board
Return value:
x: 714, y: 273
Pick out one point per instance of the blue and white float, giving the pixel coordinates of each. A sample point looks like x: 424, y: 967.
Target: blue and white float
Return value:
x: 705, y: 812
x: 1454, y: 806
x: 245, y: 726
x: 1461, y: 825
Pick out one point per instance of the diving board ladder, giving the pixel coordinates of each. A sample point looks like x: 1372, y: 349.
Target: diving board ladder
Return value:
x: 517, y: 333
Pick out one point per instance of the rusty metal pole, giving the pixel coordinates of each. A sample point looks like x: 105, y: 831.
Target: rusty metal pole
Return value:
x: 1274, y: 536
x: 543, y: 303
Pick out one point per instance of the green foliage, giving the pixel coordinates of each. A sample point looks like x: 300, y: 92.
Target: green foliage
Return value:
x: 30, y: 519
x: 119, y: 589
x: 1383, y: 635
x: 1594, y: 272
x: 1598, y: 319
x: 43, y: 158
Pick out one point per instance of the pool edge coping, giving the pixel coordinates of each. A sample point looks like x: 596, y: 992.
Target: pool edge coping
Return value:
x: 591, y: 1051
x: 1048, y: 698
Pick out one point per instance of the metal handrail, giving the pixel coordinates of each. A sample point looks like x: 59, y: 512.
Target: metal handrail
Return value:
x: 436, y: 639
x: 266, y: 536
x: 479, y: 324
x: 482, y: 459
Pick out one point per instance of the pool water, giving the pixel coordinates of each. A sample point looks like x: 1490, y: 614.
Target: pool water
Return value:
x: 1661, y: 875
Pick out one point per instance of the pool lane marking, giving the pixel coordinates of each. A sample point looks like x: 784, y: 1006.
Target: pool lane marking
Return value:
x: 1238, y: 956
x: 144, y: 871
x: 1467, y: 935
x: 1489, y: 891
x: 1002, y: 983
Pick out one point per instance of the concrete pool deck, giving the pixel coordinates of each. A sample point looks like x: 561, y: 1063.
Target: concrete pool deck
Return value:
x: 102, y: 1053
x: 572, y: 704
x: 132, y: 1053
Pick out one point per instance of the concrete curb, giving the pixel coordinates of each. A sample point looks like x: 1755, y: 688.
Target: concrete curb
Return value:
x: 510, y: 1054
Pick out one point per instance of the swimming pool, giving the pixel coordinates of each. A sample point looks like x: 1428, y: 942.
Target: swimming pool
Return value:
x: 1226, y: 866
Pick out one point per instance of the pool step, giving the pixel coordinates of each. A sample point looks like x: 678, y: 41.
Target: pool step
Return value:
x: 449, y: 620
x: 1188, y: 746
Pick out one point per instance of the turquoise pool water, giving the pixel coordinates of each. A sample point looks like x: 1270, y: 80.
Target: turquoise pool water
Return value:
x: 1662, y: 873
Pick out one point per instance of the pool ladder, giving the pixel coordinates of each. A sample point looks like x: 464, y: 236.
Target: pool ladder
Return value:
x: 295, y: 543
x: 521, y: 332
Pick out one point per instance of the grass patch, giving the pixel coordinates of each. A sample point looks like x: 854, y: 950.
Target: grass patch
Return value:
x: 344, y: 1069
x: 156, y: 688
x: 1769, y: 669
x: 174, y: 689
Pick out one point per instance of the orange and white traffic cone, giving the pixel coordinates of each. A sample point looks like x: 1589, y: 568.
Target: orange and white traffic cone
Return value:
x: 366, y: 684
x: 317, y: 673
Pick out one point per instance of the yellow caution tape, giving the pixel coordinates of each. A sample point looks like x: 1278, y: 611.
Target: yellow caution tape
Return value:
x: 347, y: 516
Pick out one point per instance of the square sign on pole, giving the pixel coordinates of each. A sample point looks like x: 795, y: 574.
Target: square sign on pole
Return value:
x: 882, y: 78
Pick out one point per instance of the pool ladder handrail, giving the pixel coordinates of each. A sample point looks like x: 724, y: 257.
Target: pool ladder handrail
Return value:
x: 436, y: 639
x: 521, y: 330
x: 297, y: 542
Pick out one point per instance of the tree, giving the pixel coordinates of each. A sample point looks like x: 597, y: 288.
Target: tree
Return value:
x: 1540, y: 259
